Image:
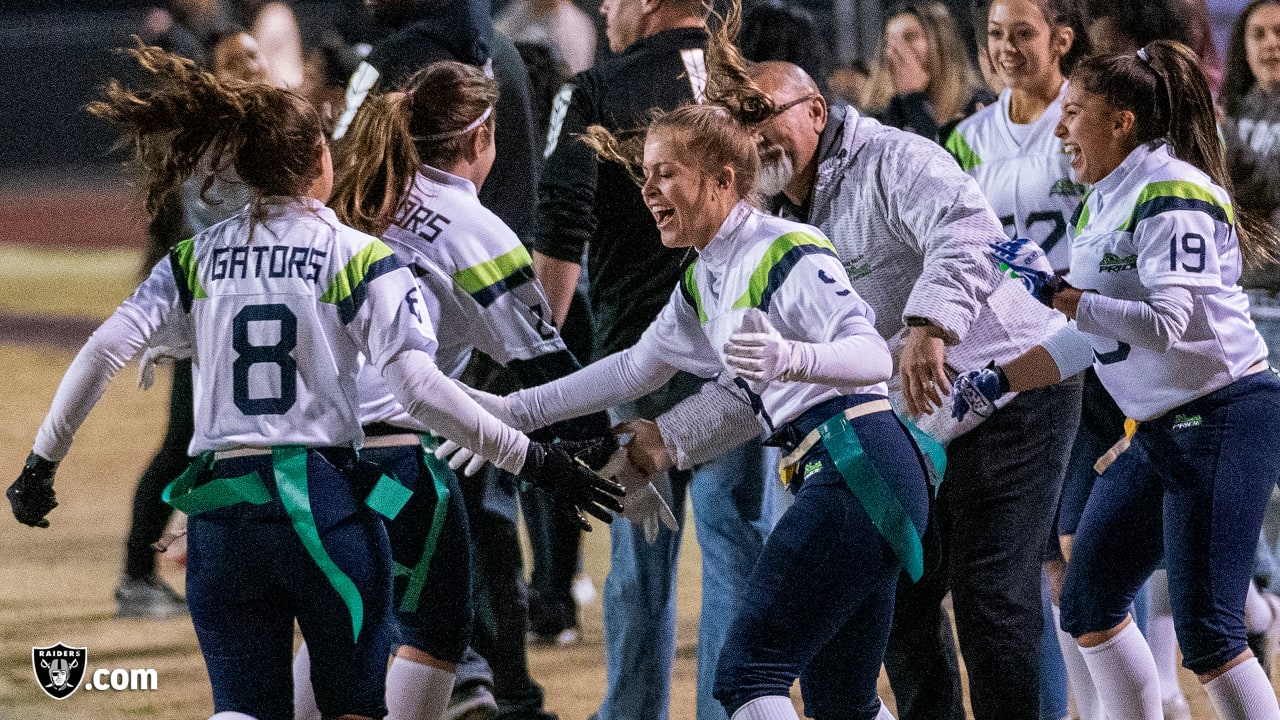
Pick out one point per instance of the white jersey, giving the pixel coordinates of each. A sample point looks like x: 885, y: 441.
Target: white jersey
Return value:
x: 476, y: 281
x: 276, y: 321
x: 787, y: 269
x: 1023, y: 171
x: 1155, y: 222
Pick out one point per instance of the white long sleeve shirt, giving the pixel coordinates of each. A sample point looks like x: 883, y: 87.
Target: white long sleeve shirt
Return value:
x: 785, y: 269
x: 1024, y: 173
x: 476, y: 281
x: 276, y: 321
x: 1168, y: 321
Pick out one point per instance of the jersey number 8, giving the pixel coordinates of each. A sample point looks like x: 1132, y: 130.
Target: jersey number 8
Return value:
x: 248, y: 355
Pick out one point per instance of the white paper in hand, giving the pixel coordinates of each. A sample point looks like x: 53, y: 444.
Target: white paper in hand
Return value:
x: 643, y: 504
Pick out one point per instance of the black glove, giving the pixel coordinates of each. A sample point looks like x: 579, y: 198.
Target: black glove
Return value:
x: 31, y: 495
x: 571, y: 482
x: 1050, y: 288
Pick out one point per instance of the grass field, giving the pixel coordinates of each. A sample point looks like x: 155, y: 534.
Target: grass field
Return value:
x: 56, y: 584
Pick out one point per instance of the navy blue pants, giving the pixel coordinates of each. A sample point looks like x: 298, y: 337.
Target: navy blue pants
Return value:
x: 820, y: 600
x: 433, y: 595
x: 249, y: 576
x: 1101, y: 425
x: 1192, y: 487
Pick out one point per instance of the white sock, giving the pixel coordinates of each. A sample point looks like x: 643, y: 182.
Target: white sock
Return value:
x: 771, y: 707
x: 1125, y: 675
x: 1243, y: 693
x: 1088, y: 707
x: 304, y: 695
x: 1257, y: 613
x: 416, y: 691
x: 884, y: 713
x: 1161, y: 636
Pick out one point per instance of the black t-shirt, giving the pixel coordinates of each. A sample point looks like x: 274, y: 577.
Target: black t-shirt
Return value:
x: 585, y: 203
x: 510, y: 190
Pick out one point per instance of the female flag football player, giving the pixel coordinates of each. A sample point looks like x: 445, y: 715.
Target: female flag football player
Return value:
x: 277, y: 305
x: 1159, y: 314
x: 767, y: 298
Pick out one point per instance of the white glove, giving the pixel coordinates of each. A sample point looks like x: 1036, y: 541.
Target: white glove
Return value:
x: 758, y: 353
x: 456, y: 456
x: 157, y: 355
x: 644, y: 504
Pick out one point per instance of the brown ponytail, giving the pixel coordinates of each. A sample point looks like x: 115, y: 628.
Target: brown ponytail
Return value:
x: 1165, y: 88
x: 395, y: 133
x: 271, y: 137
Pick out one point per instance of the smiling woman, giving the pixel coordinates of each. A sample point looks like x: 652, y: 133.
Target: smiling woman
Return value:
x: 767, y: 300
x: 1160, y: 317
x: 698, y: 164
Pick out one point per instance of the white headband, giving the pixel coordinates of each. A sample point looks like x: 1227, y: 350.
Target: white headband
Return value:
x: 455, y: 133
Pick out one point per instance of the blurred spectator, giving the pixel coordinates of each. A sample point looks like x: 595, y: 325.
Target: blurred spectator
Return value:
x: 775, y: 30
x: 238, y: 55
x: 187, y: 27
x: 276, y: 29
x: 557, y: 24
x: 1195, y: 15
x: 846, y: 83
x: 1123, y: 26
x: 1251, y: 103
x: 922, y: 78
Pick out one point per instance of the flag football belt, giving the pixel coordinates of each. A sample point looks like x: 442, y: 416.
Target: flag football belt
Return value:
x: 289, y: 467
x: 1131, y: 427
x: 865, y: 481
x: 439, y: 471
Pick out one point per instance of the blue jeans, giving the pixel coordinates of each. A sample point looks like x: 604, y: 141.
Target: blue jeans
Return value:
x: 1192, y: 488
x: 733, y: 506
x: 1264, y: 309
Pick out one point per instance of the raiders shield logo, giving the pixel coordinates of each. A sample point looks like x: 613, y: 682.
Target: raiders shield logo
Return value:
x: 59, y: 669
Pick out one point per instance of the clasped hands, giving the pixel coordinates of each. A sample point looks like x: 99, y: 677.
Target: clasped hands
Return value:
x: 639, y: 464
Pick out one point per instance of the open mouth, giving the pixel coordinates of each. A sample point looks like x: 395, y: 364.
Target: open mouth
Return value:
x: 662, y: 214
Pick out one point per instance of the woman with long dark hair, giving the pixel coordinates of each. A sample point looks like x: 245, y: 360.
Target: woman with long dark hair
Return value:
x: 1155, y: 264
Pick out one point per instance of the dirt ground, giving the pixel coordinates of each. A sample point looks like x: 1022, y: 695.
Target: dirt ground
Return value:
x: 56, y: 584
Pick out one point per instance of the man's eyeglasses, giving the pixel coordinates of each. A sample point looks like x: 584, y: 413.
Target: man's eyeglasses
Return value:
x: 787, y: 106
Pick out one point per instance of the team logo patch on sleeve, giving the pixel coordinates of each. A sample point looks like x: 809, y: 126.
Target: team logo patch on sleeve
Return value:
x: 1068, y: 188
x: 1115, y: 263
x: 59, y: 669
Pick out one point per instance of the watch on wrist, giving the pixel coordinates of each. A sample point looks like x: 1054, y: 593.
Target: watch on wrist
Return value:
x: 913, y: 321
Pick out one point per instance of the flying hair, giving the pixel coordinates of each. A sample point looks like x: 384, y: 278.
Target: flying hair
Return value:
x: 271, y: 137
x: 717, y: 132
